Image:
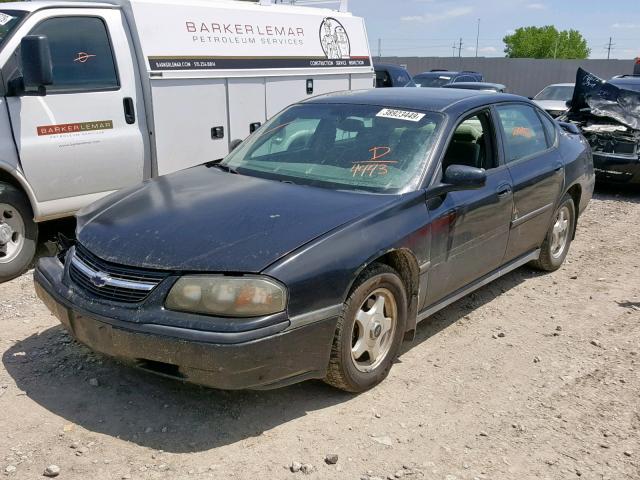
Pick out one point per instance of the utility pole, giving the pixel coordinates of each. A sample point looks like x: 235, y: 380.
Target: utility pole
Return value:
x: 460, y: 48
x: 379, y: 48
x: 477, y: 38
x: 609, y: 47
x: 454, y: 48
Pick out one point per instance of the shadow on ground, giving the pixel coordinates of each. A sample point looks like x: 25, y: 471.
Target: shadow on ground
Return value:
x: 623, y: 193
x: 164, y: 414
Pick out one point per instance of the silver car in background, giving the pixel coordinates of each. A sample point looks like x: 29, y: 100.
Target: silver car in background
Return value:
x: 553, y: 98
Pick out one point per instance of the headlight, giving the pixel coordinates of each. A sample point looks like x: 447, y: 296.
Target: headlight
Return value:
x: 227, y: 296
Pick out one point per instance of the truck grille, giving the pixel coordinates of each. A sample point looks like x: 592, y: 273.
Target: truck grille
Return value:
x: 110, y: 281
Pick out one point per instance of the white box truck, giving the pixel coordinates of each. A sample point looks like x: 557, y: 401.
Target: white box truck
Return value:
x: 97, y: 96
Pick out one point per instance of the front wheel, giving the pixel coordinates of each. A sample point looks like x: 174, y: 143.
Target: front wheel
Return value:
x: 556, y: 244
x: 18, y: 233
x: 369, y: 331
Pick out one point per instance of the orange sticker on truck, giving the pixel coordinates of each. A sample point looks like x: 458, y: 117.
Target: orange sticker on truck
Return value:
x: 75, y: 127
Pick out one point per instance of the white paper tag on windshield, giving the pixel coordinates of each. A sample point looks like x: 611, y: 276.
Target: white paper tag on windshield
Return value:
x: 400, y: 115
x: 4, y: 18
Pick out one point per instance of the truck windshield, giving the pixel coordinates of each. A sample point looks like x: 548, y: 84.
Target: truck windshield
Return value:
x: 347, y: 147
x: 9, y: 20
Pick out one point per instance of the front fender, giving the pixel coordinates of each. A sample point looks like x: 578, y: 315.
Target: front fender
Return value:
x: 321, y: 274
x: 18, y: 178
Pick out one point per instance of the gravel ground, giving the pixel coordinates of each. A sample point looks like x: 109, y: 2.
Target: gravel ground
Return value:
x: 534, y: 376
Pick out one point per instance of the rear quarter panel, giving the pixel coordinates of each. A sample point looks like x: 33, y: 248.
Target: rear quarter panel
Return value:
x: 578, y: 160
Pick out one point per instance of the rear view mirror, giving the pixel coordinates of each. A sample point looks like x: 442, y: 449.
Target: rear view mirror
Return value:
x: 464, y: 177
x: 459, y: 177
x: 37, y: 67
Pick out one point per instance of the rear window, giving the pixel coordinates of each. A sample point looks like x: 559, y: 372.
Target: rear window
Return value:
x: 431, y: 80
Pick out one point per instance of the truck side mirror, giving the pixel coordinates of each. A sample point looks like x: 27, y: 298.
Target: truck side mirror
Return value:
x: 37, y: 67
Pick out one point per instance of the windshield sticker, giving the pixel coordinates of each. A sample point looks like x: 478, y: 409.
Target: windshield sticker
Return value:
x: 83, y: 57
x: 375, y: 165
x: 400, y: 115
x: 4, y: 18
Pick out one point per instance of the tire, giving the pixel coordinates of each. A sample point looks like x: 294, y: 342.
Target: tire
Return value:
x: 554, y: 249
x: 352, y: 366
x: 18, y: 233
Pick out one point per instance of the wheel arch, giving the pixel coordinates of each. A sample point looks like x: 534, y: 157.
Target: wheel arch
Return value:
x: 16, y: 179
x: 403, y: 261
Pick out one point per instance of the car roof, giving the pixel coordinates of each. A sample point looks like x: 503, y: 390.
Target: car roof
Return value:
x: 388, y: 65
x: 626, y: 80
x: 474, y: 85
x: 425, y: 99
x: 436, y: 73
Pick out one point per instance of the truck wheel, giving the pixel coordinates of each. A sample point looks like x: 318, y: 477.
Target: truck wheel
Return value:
x: 18, y: 233
x: 556, y: 244
x: 369, y: 331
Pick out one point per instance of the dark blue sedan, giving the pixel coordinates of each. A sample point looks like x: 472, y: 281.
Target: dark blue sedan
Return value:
x: 316, y: 246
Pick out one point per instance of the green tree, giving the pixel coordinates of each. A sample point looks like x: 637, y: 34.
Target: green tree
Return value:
x: 545, y: 42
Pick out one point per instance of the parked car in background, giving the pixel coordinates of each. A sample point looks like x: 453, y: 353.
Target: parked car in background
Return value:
x: 440, y: 78
x: 99, y: 96
x: 482, y: 86
x: 627, y: 82
x: 608, y: 115
x: 388, y: 75
x: 554, y: 98
x: 343, y: 221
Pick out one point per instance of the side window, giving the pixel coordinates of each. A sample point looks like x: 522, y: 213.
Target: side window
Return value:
x: 472, y: 144
x: 550, y: 129
x: 287, y: 138
x: 383, y: 80
x: 523, y: 132
x: 81, y: 54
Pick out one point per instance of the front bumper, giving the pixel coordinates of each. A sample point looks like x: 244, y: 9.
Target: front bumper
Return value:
x: 612, y: 168
x: 258, y: 359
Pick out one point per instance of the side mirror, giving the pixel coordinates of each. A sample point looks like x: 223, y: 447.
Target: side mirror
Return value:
x: 459, y: 177
x: 37, y: 67
x: 234, y: 144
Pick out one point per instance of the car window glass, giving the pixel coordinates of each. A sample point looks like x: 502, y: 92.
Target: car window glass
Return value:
x: 356, y: 147
x: 523, y: 132
x: 81, y: 53
x: 472, y: 144
x: 288, y: 138
x: 550, y: 129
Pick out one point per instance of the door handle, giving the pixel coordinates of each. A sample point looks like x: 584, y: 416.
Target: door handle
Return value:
x: 503, y: 191
x: 129, y: 111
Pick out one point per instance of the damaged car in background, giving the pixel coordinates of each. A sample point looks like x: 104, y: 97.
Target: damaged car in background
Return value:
x: 608, y: 114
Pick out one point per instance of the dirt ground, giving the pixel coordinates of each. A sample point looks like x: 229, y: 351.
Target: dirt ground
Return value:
x: 536, y: 376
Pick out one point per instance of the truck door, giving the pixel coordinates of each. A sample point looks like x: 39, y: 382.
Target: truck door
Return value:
x: 85, y: 137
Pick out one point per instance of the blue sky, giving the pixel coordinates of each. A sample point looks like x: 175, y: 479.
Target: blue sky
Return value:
x: 430, y: 27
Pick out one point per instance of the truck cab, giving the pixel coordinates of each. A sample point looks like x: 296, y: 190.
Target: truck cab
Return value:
x: 99, y: 96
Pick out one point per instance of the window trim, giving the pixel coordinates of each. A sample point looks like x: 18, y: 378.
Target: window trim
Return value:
x: 553, y: 123
x: 462, y: 118
x: 503, y: 135
x: 113, y: 56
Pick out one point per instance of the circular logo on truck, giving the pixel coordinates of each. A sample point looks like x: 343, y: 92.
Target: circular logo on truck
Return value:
x: 334, y: 39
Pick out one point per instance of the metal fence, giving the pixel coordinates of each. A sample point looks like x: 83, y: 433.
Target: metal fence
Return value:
x: 524, y: 76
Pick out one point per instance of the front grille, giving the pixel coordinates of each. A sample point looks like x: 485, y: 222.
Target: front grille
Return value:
x: 110, y: 281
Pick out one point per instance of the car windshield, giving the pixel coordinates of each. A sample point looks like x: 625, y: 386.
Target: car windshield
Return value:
x: 431, y: 80
x: 627, y: 85
x: 9, y: 20
x: 556, y: 92
x: 345, y: 147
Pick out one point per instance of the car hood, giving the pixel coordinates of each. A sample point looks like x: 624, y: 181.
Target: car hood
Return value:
x: 553, y: 105
x: 203, y: 219
x: 603, y: 99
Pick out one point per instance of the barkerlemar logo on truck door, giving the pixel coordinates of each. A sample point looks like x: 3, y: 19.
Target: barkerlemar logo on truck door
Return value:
x: 334, y: 39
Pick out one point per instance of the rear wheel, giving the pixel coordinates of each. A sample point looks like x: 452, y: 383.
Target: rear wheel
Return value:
x: 556, y: 244
x: 369, y: 331
x: 18, y: 233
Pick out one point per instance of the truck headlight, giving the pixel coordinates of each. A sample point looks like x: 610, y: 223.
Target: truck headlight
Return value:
x: 227, y: 296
